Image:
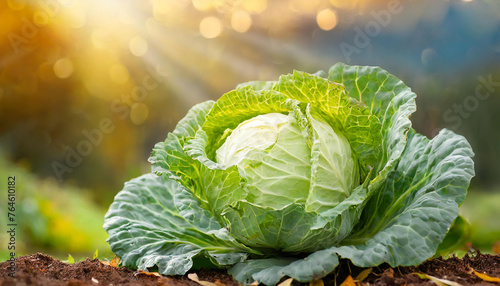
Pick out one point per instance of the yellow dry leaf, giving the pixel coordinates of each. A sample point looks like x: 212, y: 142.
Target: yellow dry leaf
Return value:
x: 194, y: 277
x: 115, y: 261
x: 486, y: 277
x: 287, y: 282
x: 348, y: 282
x: 362, y: 276
x: 318, y: 282
x: 142, y: 272
x: 438, y: 281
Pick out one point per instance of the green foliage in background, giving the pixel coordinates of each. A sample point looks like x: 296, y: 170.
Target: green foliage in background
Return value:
x: 482, y: 211
x: 51, y: 218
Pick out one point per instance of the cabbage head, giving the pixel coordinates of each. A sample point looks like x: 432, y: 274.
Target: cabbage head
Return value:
x: 283, y: 178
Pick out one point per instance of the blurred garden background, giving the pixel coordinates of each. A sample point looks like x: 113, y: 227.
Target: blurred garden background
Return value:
x: 88, y: 87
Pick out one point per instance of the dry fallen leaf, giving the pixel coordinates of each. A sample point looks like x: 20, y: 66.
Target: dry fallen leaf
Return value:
x: 194, y: 277
x: 142, y: 272
x: 438, y: 281
x: 486, y: 277
x: 318, y: 282
x: 362, y: 276
x: 348, y: 282
x: 389, y: 272
x: 115, y: 261
x: 287, y: 282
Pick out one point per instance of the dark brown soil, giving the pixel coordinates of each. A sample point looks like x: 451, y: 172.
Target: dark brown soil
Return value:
x: 452, y: 269
x: 41, y: 269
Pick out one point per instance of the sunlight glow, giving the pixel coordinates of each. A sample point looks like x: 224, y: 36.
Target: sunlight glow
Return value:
x: 210, y: 27
x: 126, y: 39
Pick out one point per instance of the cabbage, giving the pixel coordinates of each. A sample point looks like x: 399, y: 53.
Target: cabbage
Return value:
x: 282, y: 178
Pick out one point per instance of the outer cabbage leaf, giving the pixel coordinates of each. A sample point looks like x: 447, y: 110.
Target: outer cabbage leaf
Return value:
x: 417, y: 206
x: 217, y: 186
x: 387, y: 98
x: 155, y: 221
x: 258, y: 85
x: 169, y: 158
x: 407, y: 218
x: 270, y: 271
x: 456, y: 237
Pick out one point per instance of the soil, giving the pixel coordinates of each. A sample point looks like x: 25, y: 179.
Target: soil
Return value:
x: 41, y: 269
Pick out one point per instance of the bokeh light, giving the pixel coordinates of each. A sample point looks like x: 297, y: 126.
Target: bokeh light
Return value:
x: 241, y: 21
x: 139, y: 113
x: 210, y: 27
x: 327, y: 19
x: 203, y: 5
x: 255, y: 6
x: 138, y: 46
x: 63, y: 68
